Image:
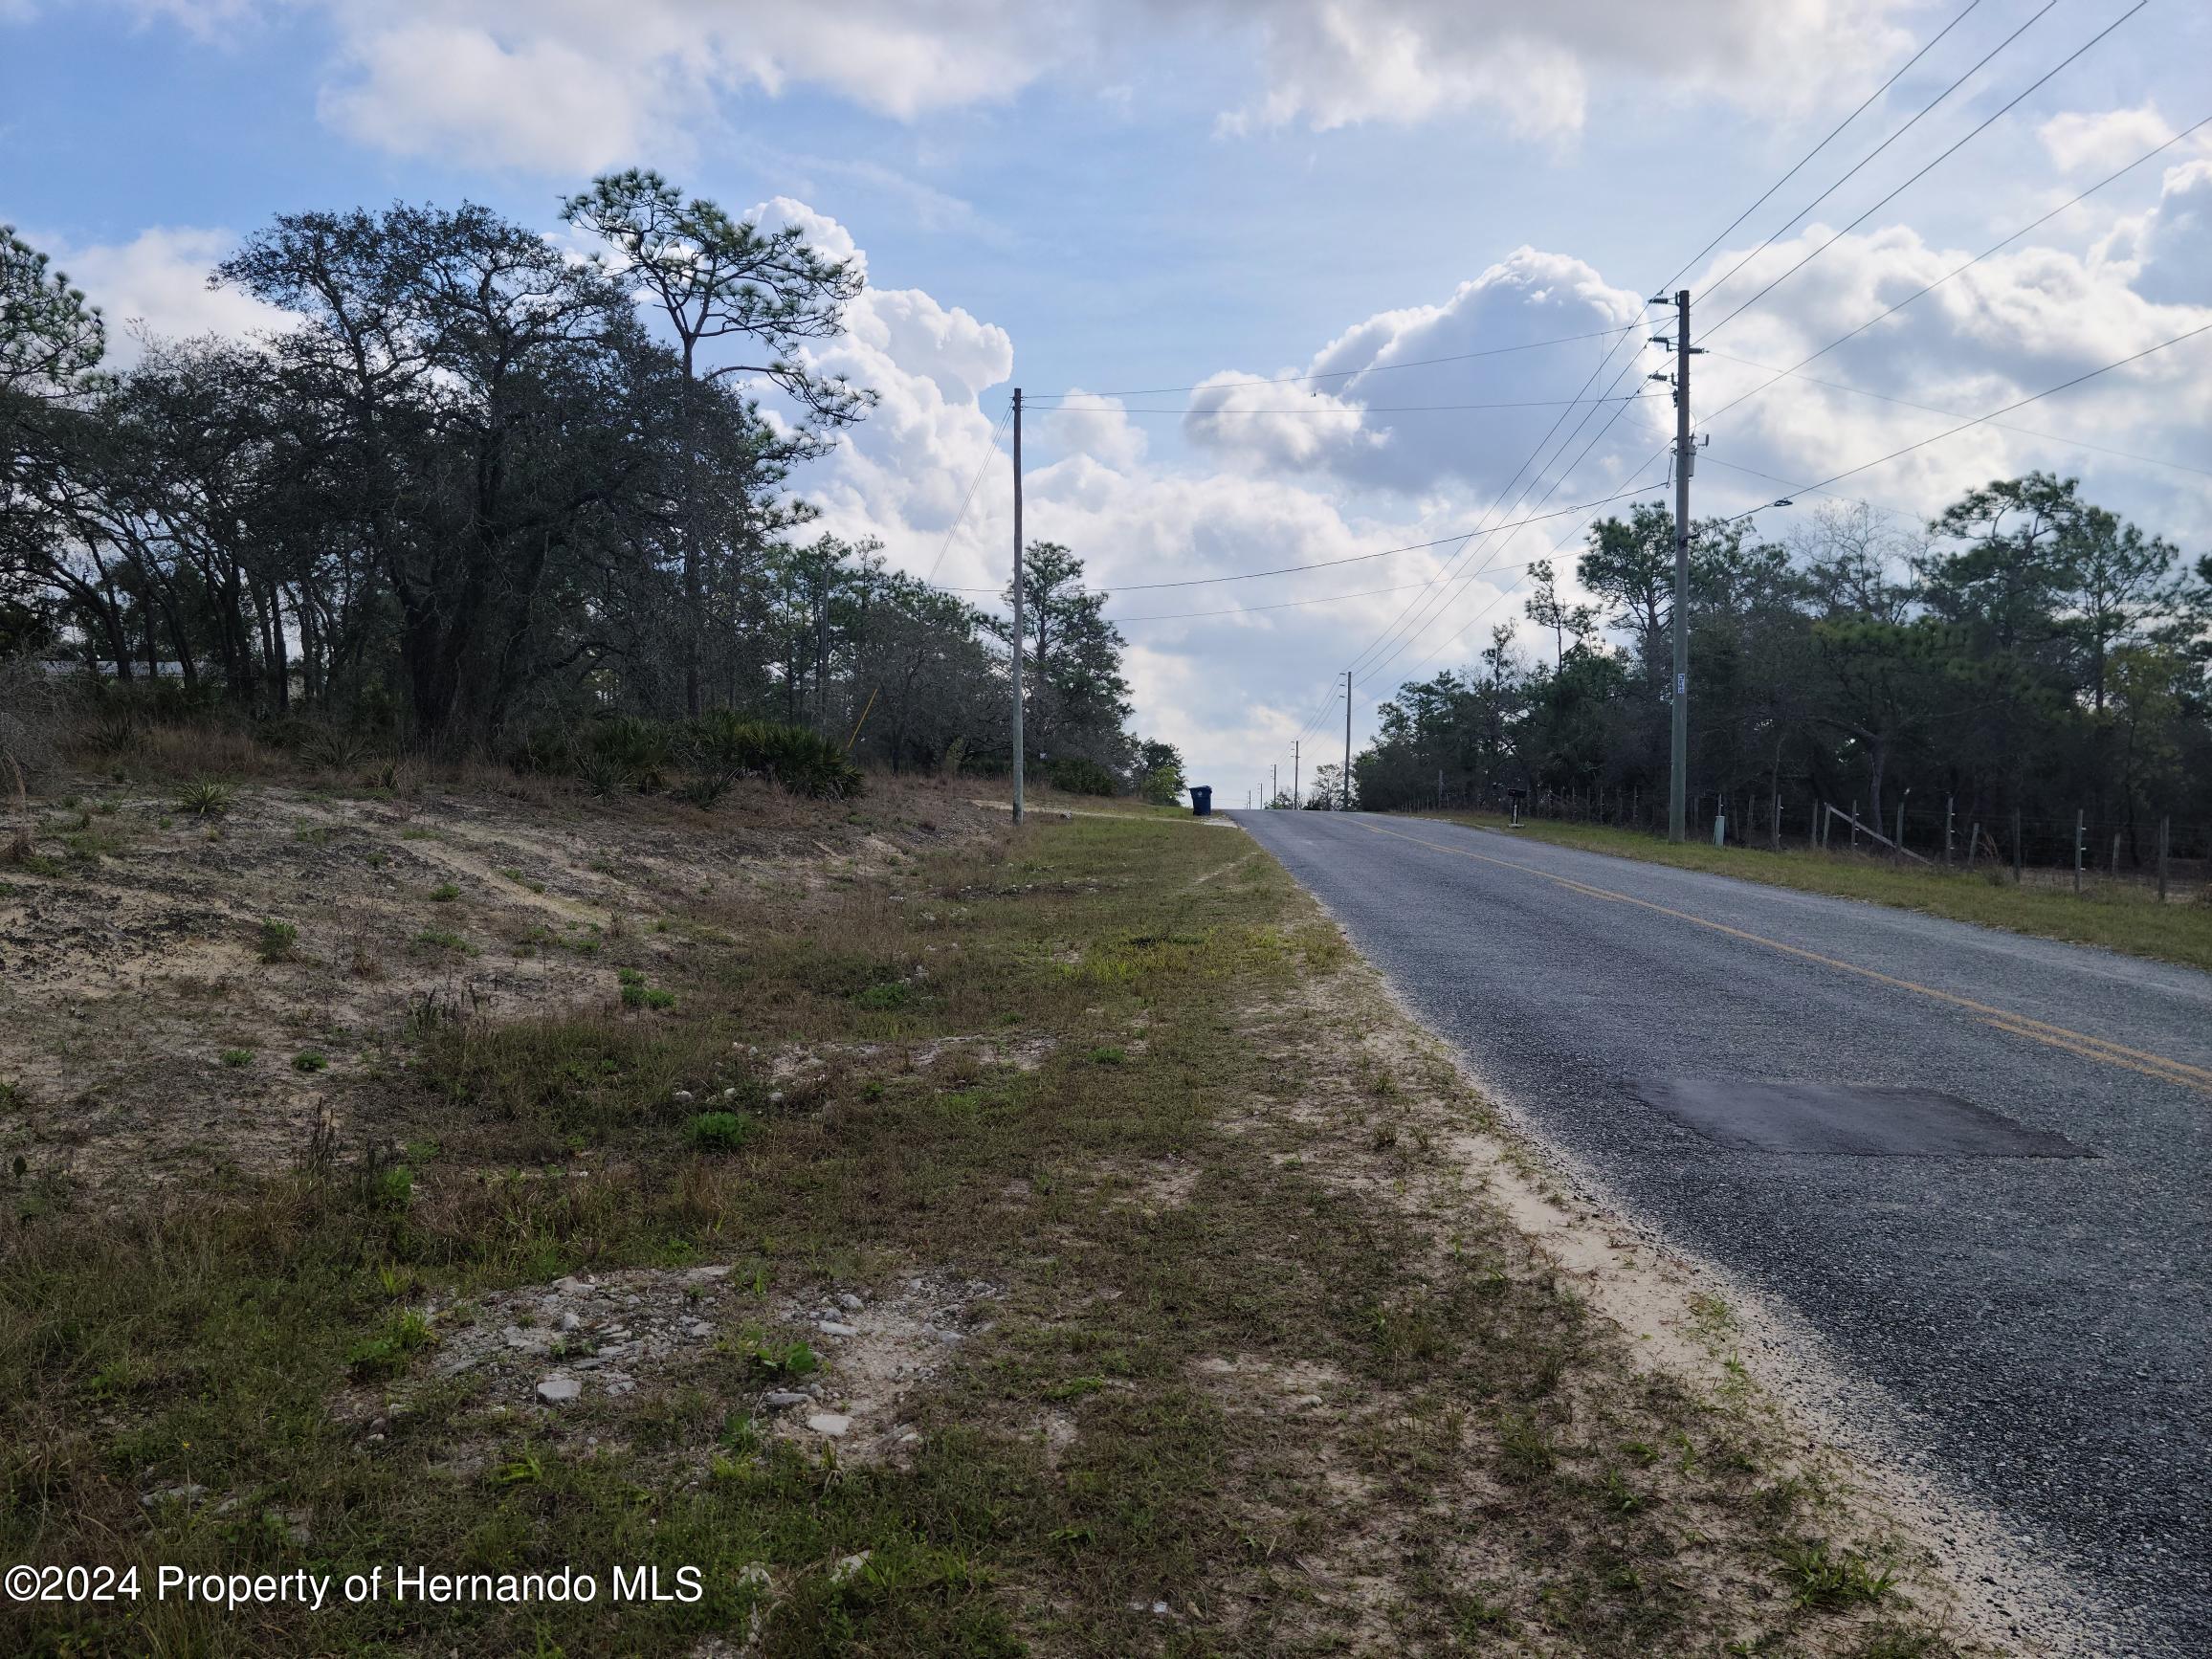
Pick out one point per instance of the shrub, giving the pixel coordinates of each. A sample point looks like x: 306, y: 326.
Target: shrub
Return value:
x: 205, y: 798
x: 721, y: 1131
x: 309, y: 1061
x: 1079, y: 775
x: 381, y: 1354
x: 444, y: 892
x: 279, y: 940
x: 237, y: 1058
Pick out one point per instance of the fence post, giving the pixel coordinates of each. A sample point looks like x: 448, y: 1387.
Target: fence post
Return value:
x: 1947, y: 803
x: 2016, y: 847
x: 2165, y: 826
x: 1973, y: 845
x: 1900, y: 835
x: 1855, y: 822
x: 2114, y: 866
x: 2081, y: 834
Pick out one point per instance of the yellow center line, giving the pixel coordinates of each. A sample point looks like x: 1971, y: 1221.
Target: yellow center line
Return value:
x: 2180, y: 1071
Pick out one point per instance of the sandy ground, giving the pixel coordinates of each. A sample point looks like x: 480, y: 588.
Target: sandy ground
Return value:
x: 132, y: 956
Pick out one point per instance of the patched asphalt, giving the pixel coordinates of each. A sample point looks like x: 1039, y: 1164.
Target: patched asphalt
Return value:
x: 1877, y: 1118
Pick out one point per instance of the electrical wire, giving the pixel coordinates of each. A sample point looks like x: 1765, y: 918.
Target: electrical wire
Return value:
x: 1917, y: 116
x: 2008, y: 409
x: 1359, y: 408
x: 1346, y: 373
x: 2032, y: 86
x: 983, y: 466
x: 1833, y: 135
x: 1933, y: 409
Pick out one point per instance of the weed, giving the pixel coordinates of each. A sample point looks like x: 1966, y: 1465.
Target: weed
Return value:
x: 721, y: 1131
x: 790, y: 1360
x: 1107, y: 1056
x: 386, y: 1353
x: 444, y: 892
x: 310, y: 1060
x: 205, y: 798
x: 1820, y: 1577
x: 444, y: 939
x: 237, y: 1058
x: 392, y: 1188
x: 280, y: 940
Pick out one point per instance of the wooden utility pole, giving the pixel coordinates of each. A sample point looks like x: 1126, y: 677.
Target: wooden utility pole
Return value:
x: 1294, y: 774
x: 1678, y: 773
x: 1347, y: 778
x: 1017, y: 604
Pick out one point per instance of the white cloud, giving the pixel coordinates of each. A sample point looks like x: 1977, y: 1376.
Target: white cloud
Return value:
x: 157, y: 284
x: 2081, y: 142
x: 1388, y: 417
x: 570, y: 86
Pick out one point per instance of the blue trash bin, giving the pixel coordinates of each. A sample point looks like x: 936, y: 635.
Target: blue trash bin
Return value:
x: 1201, y: 800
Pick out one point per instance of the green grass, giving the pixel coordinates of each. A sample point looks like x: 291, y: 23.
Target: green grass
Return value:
x: 1144, y: 1218
x: 2119, y: 916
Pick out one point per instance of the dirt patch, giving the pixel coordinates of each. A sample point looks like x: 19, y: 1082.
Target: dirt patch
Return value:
x: 835, y: 1365
x: 153, y: 1030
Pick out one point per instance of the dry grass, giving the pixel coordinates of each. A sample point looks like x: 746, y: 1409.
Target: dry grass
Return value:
x: 1265, y: 1370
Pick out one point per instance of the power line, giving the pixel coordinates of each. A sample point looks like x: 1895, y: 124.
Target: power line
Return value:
x: 1280, y: 604
x: 1929, y: 288
x: 1933, y: 409
x: 953, y: 529
x: 1833, y: 134
x: 2017, y: 402
x: 1923, y: 111
x: 1356, y: 409
x: 2032, y: 86
x: 1544, y: 441
x: 1347, y: 373
x: 1351, y: 558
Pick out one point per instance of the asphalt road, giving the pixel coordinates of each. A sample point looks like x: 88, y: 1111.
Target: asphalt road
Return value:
x: 1976, y: 1165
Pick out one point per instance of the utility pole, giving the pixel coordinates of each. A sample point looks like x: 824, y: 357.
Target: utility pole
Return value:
x: 1347, y: 779
x: 1678, y: 775
x: 1294, y: 774
x: 1275, y: 782
x: 1017, y: 604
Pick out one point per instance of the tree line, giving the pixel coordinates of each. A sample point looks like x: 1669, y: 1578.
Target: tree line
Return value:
x: 477, y: 485
x: 2024, y: 653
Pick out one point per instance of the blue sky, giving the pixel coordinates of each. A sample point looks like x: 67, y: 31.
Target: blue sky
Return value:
x: 1114, y: 194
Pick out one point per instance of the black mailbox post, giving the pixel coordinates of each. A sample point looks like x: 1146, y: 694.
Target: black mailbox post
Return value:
x: 1201, y: 800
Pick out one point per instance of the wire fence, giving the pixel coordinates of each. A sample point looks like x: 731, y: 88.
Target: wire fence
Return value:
x: 2143, y: 851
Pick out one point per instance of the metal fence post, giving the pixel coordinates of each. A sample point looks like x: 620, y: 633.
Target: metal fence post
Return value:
x: 2081, y: 835
x: 2165, y: 828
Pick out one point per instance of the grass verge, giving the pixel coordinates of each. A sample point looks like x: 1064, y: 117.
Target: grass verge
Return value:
x: 2117, y: 916
x: 1252, y: 1361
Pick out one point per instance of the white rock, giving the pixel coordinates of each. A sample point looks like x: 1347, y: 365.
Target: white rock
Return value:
x: 832, y: 1328
x: 850, y: 1302
x: 570, y: 1321
x: 849, y: 1567
x: 559, y: 1391
x: 782, y: 1399
x: 829, y: 1423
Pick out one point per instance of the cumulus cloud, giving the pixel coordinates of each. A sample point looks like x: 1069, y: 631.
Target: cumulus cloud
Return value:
x: 2082, y: 143
x: 1413, y: 398
x: 569, y: 86
x: 157, y: 284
